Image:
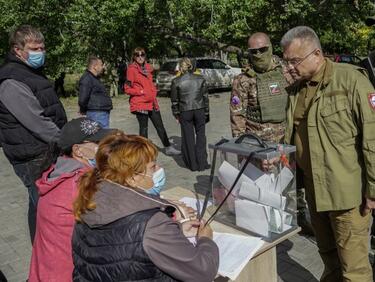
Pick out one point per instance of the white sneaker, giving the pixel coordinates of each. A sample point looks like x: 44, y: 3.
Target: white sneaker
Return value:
x: 171, y: 151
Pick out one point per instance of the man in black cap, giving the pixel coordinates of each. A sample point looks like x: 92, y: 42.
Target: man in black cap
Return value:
x: 52, y: 256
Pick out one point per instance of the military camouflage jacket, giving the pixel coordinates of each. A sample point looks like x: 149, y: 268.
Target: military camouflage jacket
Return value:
x: 244, y: 96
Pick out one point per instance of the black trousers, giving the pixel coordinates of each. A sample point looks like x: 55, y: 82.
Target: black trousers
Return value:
x: 193, y: 143
x: 156, y: 121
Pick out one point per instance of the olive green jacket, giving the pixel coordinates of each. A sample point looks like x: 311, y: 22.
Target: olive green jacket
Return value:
x: 341, y: 133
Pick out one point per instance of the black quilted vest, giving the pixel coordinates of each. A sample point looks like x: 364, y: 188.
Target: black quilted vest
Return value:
x: 114, y: 252
x: 20, y: 144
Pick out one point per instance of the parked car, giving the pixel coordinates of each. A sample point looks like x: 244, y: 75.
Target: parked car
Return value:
x: 218, y: 74
x: 346, y: 58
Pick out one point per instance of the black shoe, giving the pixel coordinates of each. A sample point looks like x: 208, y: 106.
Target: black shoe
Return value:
x: 207, y: 166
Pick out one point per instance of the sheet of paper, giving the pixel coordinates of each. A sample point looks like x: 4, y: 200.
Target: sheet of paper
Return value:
x: 285, y: 176
x: 252, y: 171
x: 227, y: 175
x: 253, y: 192
x: 235, y: 252
x: 252, y: 216
x: 265, y: 183
x: 194, y: 203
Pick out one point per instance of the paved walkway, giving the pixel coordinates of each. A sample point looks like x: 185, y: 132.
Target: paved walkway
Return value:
x: 298, y: 259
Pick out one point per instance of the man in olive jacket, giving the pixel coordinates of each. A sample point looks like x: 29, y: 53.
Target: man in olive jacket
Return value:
x: 331, y: 120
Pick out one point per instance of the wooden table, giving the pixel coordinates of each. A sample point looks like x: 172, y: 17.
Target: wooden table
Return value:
x: 263, y: 266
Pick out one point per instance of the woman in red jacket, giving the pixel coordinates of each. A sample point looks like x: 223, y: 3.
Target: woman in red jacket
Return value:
x: 143, y: 102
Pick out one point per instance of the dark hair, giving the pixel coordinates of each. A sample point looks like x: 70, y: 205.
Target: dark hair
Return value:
x: 92, y: 60
x: 23, y: 34
x: 136, y: 51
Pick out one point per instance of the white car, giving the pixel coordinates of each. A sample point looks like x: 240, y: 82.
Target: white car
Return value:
x: 218, y: 75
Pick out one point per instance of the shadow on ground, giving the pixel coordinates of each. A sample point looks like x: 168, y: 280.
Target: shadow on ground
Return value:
x: 288, y: 269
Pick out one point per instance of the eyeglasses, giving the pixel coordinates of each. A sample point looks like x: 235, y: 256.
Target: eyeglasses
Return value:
x: 260, y: 50
x: 297, y: 61
x: 140, y: 55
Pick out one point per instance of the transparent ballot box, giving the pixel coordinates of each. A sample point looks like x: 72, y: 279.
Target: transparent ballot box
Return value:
x: 261, y: 177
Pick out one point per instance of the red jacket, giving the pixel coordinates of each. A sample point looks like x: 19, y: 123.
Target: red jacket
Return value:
x: 141, y: 89
x: 51, y: 258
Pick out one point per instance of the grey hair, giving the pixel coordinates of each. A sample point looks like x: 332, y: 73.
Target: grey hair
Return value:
x: 24, y: 34
x: 304, y: 33
x: 185, y: 65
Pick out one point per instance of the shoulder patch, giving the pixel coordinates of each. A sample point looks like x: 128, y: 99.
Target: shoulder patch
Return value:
x: 371, y: 100
x: 235, y: 101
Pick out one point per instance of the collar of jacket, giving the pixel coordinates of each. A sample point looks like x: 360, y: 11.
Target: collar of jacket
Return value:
x: 139, y: 68
x: 90, y: 73
x: 328, y: 73
x: 11, y: 58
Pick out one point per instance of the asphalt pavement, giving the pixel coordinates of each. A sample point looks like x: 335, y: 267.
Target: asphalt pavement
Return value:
x: 298, y: 258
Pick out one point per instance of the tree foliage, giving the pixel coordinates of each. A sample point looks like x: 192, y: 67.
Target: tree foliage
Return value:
x: 111, y: 28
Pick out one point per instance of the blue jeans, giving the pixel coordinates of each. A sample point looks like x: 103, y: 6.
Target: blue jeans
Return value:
x: 102, y: 117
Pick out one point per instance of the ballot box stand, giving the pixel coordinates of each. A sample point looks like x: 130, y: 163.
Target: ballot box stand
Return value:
x: 261, y: 177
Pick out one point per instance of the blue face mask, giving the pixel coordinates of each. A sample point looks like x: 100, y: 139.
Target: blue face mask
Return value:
x: 92, y: 162
x: 159, y: 179
x: 36, y: 59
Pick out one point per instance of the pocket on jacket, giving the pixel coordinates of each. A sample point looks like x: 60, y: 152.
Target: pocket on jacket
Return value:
x: 338, y: 122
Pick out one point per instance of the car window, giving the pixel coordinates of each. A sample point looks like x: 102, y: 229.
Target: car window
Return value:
x: 345, y: 59
x: 168, y: 66
x: 204, y: 64
x: 218, y: 64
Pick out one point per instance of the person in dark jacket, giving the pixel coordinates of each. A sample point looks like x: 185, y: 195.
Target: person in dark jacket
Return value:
x: 143, y: 102
x: 93, y: 101
x: 125, y: 234
x: 190, y: 107
x: 31, y: 114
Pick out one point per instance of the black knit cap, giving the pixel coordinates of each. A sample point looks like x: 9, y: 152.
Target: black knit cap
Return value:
x: 79, y: 130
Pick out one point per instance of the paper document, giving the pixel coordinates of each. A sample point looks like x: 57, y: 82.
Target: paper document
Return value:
x: 227, y: 175
x: 193, y: 203
x: 252, y: 216
x: 284, y: 178
x: 235, y: 252
x: 253, y: 192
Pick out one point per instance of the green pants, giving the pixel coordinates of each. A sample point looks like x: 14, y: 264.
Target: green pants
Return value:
x: 343, y: 240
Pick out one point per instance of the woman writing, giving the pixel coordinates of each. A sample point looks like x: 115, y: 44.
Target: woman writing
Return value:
x: 125, y: 234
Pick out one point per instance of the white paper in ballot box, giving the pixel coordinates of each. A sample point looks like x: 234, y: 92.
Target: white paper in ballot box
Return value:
x: 252, y: 216
x: 227, y: 175
x: 252, y: 192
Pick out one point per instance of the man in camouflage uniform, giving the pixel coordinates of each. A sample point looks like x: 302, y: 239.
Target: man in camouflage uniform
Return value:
x: 259, y: 101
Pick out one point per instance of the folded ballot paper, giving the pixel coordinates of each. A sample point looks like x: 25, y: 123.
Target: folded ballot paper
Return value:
x: 235, y: 251
x: 249, y: 190
x: 267, y: 182
x: 257, y: 198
